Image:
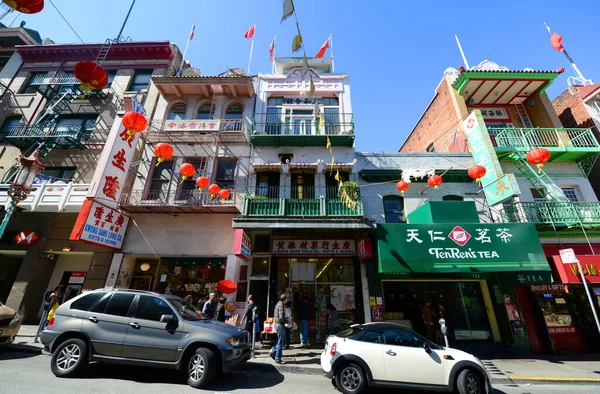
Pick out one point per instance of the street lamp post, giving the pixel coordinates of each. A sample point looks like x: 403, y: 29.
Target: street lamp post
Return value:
x: 19, y: 190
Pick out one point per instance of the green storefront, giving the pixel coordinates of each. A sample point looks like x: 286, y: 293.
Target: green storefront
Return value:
x: 466, y: 269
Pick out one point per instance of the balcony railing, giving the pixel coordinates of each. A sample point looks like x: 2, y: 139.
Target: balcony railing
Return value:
x: 279, y: 124
x: 61, y: 79
x: 65, y: 136
x: 179, y: 200
x: 198, y: 130
x: 300, y: 201
x: 50, y: 197
x: 558, y: 140
x: 553, y: 213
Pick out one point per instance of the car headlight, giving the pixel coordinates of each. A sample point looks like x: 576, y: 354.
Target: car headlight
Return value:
x: 15, y: 319
x: 234, y: 341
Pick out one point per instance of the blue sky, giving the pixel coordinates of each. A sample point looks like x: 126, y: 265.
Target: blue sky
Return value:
x: 395, y: 52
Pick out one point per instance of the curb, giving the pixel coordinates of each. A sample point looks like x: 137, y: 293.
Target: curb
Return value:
x: 549, y: 380
x: 287, y: 368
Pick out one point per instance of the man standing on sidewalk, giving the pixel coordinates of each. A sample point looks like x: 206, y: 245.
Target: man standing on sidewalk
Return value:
x: 304, y: 315
x: 279, y: 319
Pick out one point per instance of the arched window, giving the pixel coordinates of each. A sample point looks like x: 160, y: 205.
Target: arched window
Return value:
x: 393, y: 207
x: 234, y: 111
x: 431, y: 148
x: 205, y: 112
x: 177, y: 112
x: 452, y: 197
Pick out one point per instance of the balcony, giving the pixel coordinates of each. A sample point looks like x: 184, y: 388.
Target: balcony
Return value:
x: 563, y: 144
x: 197, y: 131
x: 554, y: 214
x: 181, y: 201
x: 299, y: 201
x: 50, y: 197
x: 62, y: 136
x: 274, y: 129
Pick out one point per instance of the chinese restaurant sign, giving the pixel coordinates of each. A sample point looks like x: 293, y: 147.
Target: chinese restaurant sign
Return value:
x: 484, y: 154
x: 100, y: 225
x: 568, y: 273
x: 192, y: 125
x: 344, y: 247
x: 493, y: 113
x: 473, y: 247
x: 241, y: 244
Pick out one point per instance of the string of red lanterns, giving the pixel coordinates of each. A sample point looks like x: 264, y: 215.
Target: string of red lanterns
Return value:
x: 538, y: 156
x: 477, y: 172
x: 224, y: 194
x: 214, y: 189
x: 90, y: 75
x: 163, y: 151
x: 202, y: 182
x: 402, y: 186
x: 434, y: 181
x: 186, y: 170
x: 134, y: 122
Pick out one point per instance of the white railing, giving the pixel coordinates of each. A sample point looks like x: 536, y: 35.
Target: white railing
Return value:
x: 61, y: 79
x: 50, y: 197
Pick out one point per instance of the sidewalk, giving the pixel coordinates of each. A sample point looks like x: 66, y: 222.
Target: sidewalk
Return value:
x: 503, y: 368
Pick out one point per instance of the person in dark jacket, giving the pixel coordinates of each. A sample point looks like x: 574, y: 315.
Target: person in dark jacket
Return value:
x: 208, y: 310
x: 252, y: 311
x: 220, y: 311
x: 304, y: 310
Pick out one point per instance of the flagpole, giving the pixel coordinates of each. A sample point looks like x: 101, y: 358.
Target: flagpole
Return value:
x: 274, y: 51
x: 462, y: 53
x: 331, y: 47
x: 186, y: 48
x: 251, y: 49
x: 573, y: 65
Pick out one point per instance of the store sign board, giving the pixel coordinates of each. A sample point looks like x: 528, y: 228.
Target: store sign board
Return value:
x: 242, y: 244
x: 502, y: 189
x: 365, y: 251
x: 568, y: 256
x: 553, y: 288
x: 572, y: 330
x: 495, y: 113
x: 77, y: 277
x: 345, y: 247
x: 569, y: 273
x: 192, y: 125
x: 101, y: 225
x: 472, y: 247
x: 526, y: 278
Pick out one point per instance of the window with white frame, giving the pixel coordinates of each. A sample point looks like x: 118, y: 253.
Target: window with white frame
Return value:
x: 302, y: 116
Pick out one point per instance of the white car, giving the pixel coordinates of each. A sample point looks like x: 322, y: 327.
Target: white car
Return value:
x: 391, y: 355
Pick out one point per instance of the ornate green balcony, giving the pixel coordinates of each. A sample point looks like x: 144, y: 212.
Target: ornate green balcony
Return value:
x: 554, y: 214
x: 299, y: 201
x: 563, y: 144
x: 303, y: 129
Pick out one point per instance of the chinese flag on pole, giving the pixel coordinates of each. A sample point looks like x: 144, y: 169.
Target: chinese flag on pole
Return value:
x: 556, y: 42
x: 250, y: 32
x: 323, y: 49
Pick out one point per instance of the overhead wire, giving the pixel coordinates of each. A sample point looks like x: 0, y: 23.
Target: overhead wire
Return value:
x: 66, y: 21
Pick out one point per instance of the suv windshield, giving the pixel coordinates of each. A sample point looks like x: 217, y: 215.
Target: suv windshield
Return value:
x: 185, y: 309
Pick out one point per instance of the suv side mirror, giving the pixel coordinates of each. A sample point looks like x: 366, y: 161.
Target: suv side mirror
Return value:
x: 427, y: 347
x: 167, y: 318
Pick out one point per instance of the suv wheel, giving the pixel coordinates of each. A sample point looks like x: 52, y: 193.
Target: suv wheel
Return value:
x: 69, y: 358
x: 201, y: 368
x: 350, y: 379
x: 470, y: 382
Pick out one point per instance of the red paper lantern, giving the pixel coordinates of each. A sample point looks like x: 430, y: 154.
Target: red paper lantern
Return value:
x: 224, y: 194
x: 163, y: 152
x: 187, y: 170
x: 434, y: 181
x: 402, y: 186
x: 25, y: 6
x: 205, y: 269
x: 91, y: 75
x: 477, y: 172
x: 226, y: 286
x: 214, y: 189
x: 202, y: 182
x: 538, y: 157
x: 134, y: 122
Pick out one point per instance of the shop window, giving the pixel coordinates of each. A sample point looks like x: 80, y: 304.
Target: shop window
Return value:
x: 334, y: 270
x: 402, y: 338
x: 119, y: 304
x: 225, y: 174
x: 452, y: 197
x: 86, y: 302
x: 188, y: 190
x: 260, y: 266
x: 152, y: 308
x: 177, y: 112
x: 193, y: 276
x: 159, y: 181
x: 34, y: 81
x: 206, y: 111
x: 393, y: 207
x: 12, y: 125
x: 140, y: 81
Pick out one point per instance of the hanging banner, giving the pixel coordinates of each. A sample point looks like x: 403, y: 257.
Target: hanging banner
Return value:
x: 101, y: 225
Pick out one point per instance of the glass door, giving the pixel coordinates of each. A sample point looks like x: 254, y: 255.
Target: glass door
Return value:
x: 466, y: 311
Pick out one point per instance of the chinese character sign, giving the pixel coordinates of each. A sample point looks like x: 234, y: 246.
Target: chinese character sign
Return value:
x: 344, y: 247
x: 209, y: 125
x: 242, y: 244
x: 101, y: 225
x: 569, y: 273
x: 494, y: 113
x: 472, y: 247
x: 482, y: 148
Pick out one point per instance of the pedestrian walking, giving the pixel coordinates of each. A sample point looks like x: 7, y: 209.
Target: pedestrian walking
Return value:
x: 220, y: 310
x: 304, y: 310
x: 279, y: 320
x: 334, y: 319
x: 50, y: 298
x: 208, y: 310
x: 251, y: 318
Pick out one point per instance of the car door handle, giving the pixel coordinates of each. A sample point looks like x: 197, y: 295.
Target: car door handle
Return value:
x: 390, y: 353
x: 93, y: 319
x: 135, y: 325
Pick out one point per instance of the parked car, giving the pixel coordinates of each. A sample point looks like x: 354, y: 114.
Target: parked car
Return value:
x: 391, y: 355
x: 142, y: 328
x: 10, y: 323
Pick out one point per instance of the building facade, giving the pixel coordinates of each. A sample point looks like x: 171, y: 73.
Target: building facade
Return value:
x: 501, y: 115
x: 44, y: 112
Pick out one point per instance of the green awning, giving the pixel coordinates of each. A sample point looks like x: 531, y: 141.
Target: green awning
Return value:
x: 450, y: 248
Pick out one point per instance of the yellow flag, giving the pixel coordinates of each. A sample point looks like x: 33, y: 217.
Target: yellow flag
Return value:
x: 304, y: 64
x: 312, y: 87
x: 288, y: 9
x: 328, y: 143
x: 297, y: 43
x: 337, y: 175
x: 332, y: 162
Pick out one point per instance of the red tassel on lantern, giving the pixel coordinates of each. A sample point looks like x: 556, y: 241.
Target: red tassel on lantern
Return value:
x: 434, y: 181
x: 402, y: 186
x: 186, y: 170
x: 477, y: 172
x: 538, y: 157
x: 163, y: 152
x: 134, y: 122
x: 90, y: 75
x: 202, y: 182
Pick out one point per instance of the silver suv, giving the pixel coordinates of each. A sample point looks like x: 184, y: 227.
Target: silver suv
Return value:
x: 142, y: 328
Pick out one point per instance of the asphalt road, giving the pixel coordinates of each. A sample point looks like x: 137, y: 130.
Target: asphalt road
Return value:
x: 30, y: 373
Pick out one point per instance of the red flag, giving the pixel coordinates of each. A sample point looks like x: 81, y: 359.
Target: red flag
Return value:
x: 250, y: 32
x: 556, y: 42
x: 323, y: 49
